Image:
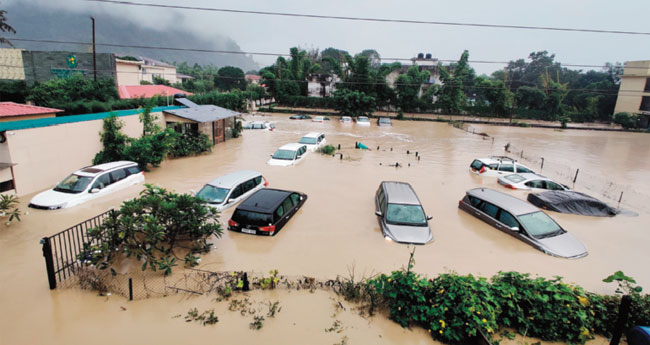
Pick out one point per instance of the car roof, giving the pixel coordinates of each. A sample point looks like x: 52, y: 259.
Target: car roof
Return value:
x: 98, y: 169
x: 497, y: 159
x: 362, y: 117
x: 292, y: 146
x: 312, y: 135
x: 533, y: 176
x: 230, y: 180
x: 507, y: 202
x: 264, y: 200
x: 400, y: 193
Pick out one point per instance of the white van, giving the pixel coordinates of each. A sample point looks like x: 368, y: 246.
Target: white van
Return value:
x: 227, y: 190
x: 89, y: 183
x: 288, y: 154
x: 313, y: 140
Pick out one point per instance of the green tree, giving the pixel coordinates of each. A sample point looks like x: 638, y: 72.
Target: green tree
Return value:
x: 408, y: 88
x: 353, y: 103
x: 113, y: 139
x: 229, y: 78
x: 495, y: 95
x: 4, y: 27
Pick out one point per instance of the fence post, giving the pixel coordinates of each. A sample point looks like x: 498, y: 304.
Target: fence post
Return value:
x: 130, y: 289
x: 576, y: 177
x: 49, y: 262
x: 542, y: 167
x: 623, y: 310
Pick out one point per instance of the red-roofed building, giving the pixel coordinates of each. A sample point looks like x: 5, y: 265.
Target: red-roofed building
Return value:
x: 10, y: 111
x: 148, y: 91
x: 253, y: 79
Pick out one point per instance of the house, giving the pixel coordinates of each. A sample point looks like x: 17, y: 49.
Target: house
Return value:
x: 135, y: 70
x: 253, y: 79
x: 148, y: 91
x: 634, y: 92
x: 424, y: 63
x: 10, y: 111
x: 216, y: 122
x: 321, y: 85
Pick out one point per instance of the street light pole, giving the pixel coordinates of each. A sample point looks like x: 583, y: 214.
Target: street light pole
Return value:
x: 94, y: 55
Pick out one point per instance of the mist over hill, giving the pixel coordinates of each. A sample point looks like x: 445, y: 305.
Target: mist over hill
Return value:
x: 40, y: 22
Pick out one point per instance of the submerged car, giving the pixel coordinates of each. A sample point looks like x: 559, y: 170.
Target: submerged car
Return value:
x: 363, y: 121
x: 523, y: 221
x: 266, y: 212
x: 300, y: 117
x: 264, y: 125
x: 289, y: 154
x: 572, y: 202
x: 318, y: 119
x: 89, y: 183
x: 345, y: 119
x: 313, y: 140
x: 495, y: 166
x: 384, y: 121
x: 529, y: 181
x: 400, y: 214
x: 227, y: 190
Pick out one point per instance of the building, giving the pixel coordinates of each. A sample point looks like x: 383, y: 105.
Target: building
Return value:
x: 10, y: 111
x: 216, y: 122
x: 424, y: 63
x: 41, y: 66
x: 253, y: 79
x: 11, y: 64
x: 148, y: 91
x: 321, y: 85
x: 634, y: 92
x: 135, y: 70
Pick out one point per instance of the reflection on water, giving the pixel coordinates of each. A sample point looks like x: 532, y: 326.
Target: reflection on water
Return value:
x: 337, y: 227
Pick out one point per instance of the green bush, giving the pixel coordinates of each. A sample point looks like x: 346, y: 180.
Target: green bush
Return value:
x: 327, y: 149
x: 150, y: 149
x: 626, y: 120
x: 190, y: 144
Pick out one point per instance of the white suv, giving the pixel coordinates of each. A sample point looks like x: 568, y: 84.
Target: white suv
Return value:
x: 313, y: 140
x: 495, y: 166
x: 225, y: 191
x: 89, y: 183
x: 288, y: 154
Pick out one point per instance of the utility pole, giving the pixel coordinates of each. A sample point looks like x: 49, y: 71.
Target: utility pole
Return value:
x: 94, y: 54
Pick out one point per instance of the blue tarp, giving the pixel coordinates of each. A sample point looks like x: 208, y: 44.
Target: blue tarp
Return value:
x: 52, y: 121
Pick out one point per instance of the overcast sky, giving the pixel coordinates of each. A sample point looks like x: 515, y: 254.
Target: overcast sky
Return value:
x: 277, y: 34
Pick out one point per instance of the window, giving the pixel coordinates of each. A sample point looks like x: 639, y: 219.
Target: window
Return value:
x: 539, y: 225
x: 73, y: 184
x: 382, y: 200
x: 476, y: 164
x: 279, y: 212
x: 287, y: 204
x: 236, y: 192
x: 489, y: 209
x: 308, y: 140
x: 295, y: 198
x: 252, y: 218
x: 647, y: 85
x: 536, y: 184
x: 117, y: 175
x: 6, y: 185
x: 133, y: 170
x: 523, y: 169
x: 284, y: 154
x: 507, y: 167
x: 514, y: 178
x: 258, y: 180
x: 405, y: 214
x: 553, y: 186
x: 507, y: 219
x: 474, y: 201
x: 248, y: 185
x: 645, y: 103
x: 212, y: 194
x: 102, y: 181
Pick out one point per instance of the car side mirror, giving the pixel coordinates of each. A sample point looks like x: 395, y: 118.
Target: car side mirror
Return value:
x: 231, y: 200
x: 429, y: 217
x: 378, y: 213
x: 514, y: 228
x: 94, y: 190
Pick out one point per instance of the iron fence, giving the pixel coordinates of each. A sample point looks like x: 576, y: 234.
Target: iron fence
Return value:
x: 61, y: 250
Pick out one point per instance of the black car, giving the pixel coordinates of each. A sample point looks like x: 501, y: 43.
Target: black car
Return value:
x: 266, y: 211
x: 300, y: 117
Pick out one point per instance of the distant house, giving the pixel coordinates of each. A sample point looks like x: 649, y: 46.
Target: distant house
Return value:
x: 183, y: 77
x: 216, y: 122
x: 634, y: 93
x: 134, y: 70
x: 321, y: 85
x: 10, y: 111
x: 424, y: 63
x: 253, y: 79
x: 148, y: 91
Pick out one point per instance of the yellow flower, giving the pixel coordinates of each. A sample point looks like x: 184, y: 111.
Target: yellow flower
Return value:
x: 440, y: 331
x: 484, y: 320
x: 442, y: 291
x: 585, y: 332
x: 584, y: 301
x: 478, y: 312
x: 568, y: 306
x: 466, y: 324
x: 442, y: 323
x: 389, y: 280
x: 429, y: 331
x: 399, y: 308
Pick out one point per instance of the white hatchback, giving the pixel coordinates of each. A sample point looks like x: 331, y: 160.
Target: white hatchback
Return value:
x: 289, y: 154
x: 528, y: 181
x: 227, y: 190
x: 89, y: 183
x: 313, y: 140
x: 495, y: 166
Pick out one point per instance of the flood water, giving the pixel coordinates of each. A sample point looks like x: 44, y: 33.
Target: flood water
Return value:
x: 336, y: 229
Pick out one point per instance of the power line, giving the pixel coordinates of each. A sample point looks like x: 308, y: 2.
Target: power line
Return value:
x: 200, y: 50
x: 368, y: 19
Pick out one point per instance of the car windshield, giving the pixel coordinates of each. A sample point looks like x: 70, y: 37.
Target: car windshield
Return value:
x: 363, y: 119
x: 384, y: 120
x: 405, y: 214
x: 252, y: 218
x: 539, y: 225
x: 73, y: 184
x: 284, y: 154
x: 308, y: 140
x: 514, y: 178
x: 212, y: 194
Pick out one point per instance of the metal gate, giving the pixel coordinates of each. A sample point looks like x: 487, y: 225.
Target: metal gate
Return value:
x: 61, y: 250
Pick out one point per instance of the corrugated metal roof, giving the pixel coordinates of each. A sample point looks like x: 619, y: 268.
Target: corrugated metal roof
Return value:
x: 53, y: 121
x: 203, y: 113
x: 186, y: 102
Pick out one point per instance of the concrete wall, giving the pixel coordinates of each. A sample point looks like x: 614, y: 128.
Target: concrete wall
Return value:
x: 46, y: 155
x: 128, y: 73
x: 633, y: 83
x: 25, y: 117
x: 42, y: 66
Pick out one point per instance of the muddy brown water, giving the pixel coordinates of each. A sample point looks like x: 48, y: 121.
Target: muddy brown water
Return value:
x: 334, y: 231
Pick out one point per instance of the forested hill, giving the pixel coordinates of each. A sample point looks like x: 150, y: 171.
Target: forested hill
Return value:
x: 32, y: 21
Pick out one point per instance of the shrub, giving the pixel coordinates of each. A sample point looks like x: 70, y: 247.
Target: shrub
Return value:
x: 626, y: 120
x: 113, y: 139
x: 190, y: 144
x: 237, y: 129
x: 149, y: 228
x: 9, y: 207
x: 327, y: 150
x: 150, y: 149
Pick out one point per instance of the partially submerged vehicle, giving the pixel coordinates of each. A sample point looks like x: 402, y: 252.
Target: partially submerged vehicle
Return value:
x: 266, y: 212
x: 313, y: 140
x: 495, y: 166
x: 300, y: 117
x: 400, y: 214
x: 572, y: 202
x: 89, y: 183
x: 523, y: 221
x: 264, y: 125
x: 226, y: 191
x: 384, y: 121
x: 529, y: 181
x: 363, y: 121
x: 345, y: 119
x: 289, y: 154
